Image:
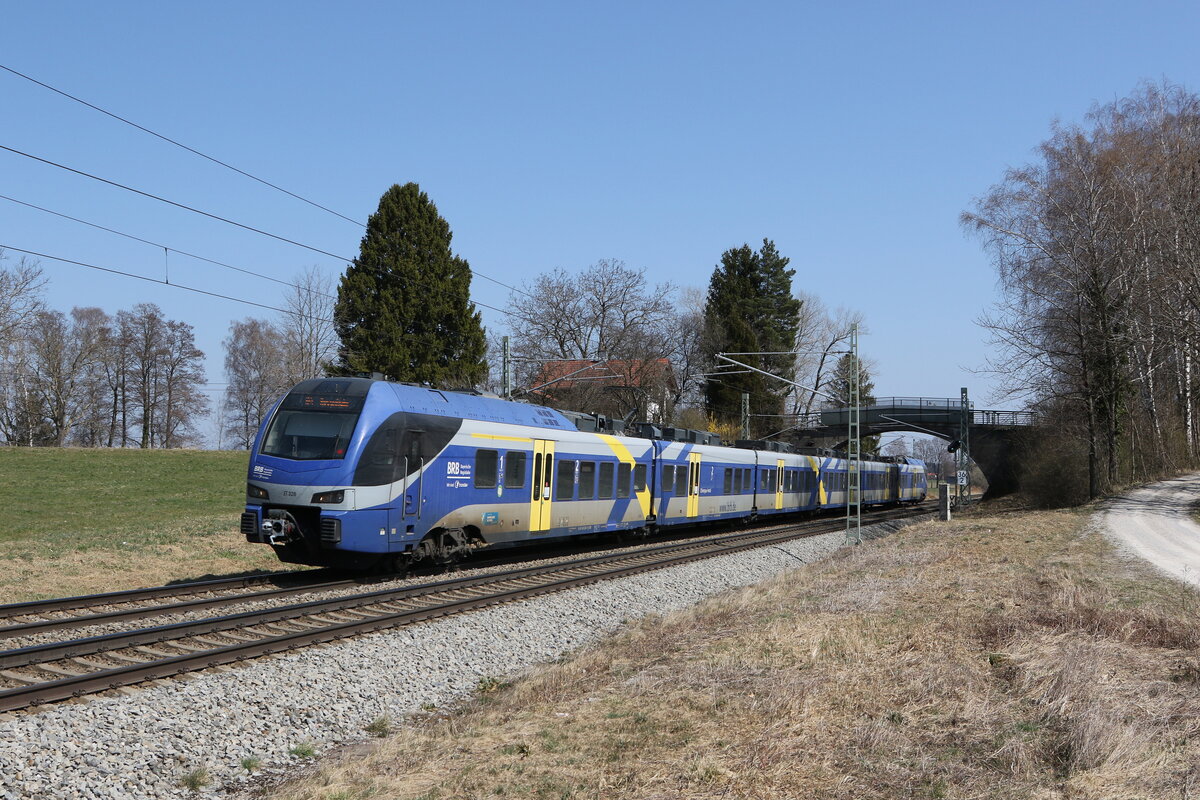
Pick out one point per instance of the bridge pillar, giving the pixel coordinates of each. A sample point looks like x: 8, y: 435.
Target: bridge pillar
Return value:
x: 996, y: 451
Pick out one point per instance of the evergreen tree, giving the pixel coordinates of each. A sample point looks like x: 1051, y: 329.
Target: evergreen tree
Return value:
x: 839, y: 387
x: 751, y: 309
x: 404, y: 306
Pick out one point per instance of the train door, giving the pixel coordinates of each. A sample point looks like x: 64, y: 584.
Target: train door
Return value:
x: 693, y: 497
x: 414, y: 487
x: 778, y: 484
x: 542, y: 494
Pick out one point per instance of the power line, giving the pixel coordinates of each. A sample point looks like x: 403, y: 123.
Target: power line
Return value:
x: 163, y: 246
x: 217, y: 216
x: 425, y: 338
x: 159, y: 281
x: 179, y: 144
x: 173, y: 203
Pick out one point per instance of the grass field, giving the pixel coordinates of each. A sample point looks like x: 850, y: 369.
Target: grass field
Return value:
x: 82, y: 520
x: 1008, y: 654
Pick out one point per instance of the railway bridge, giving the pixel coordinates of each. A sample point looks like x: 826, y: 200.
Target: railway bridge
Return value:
x: 993, y: 436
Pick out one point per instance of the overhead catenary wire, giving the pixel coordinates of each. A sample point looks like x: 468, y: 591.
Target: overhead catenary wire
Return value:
x: 161, y: 282
x: 164, y: 247
x: 179, y: 144
x: 214, y: 261
x: 204, y: 292
x: 213, y: 216
x: 183, y: 206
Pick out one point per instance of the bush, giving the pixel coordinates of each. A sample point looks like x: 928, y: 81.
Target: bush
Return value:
x: 1054, y: 469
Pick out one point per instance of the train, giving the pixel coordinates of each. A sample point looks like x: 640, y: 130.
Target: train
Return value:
x: 364, y: 473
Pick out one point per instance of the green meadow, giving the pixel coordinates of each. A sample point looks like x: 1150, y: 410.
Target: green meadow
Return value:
x: 83, y: 520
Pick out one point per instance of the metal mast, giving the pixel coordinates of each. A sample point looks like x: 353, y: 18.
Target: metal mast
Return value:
x: 854, y: 449
x: 506, y: 371
x: 962, y: 458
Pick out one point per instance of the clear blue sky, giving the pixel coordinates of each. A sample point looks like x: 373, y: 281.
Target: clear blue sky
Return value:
x: 553, y: 135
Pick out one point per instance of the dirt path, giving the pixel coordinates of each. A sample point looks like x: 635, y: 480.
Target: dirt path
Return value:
x: 1155, y: 523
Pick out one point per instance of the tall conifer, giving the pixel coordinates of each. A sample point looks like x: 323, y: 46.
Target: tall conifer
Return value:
x: 404, y: 306
x: 751, y: 309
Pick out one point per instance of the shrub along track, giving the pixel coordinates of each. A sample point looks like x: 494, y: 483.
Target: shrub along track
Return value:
x: 61, y: 670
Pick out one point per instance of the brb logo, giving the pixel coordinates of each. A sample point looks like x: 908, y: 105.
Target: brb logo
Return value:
x: 263, y: 472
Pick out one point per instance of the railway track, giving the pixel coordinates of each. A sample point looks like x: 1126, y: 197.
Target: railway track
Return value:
x: 65, y: 613
x: 55, y: 671
x: 12, y: 614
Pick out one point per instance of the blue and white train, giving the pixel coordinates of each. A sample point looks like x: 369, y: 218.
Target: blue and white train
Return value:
x: 362, y: 473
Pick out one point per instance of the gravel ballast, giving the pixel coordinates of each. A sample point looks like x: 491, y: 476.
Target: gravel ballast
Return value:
x: 144, y: 745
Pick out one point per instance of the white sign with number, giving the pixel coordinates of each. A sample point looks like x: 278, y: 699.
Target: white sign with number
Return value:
x: 962, y: 477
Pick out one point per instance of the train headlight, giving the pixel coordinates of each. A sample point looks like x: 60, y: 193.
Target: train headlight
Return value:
x: 256, y: 492
x: 330, y: 498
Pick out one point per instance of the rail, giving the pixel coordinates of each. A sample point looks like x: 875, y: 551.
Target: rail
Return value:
x: 96, y: 664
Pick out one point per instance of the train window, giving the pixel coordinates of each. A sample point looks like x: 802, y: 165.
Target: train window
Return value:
x: 566, y: 481
x: 639, y: 478
x: 309, y: 435
x: 728, y: 487
x: 606, y: 480
x: 587, y: 480
x: 485, y: 468
x: 737, y: 481
x: 668, y: 478
x: 514, y: 470
x: 681, y: 479
x: 624, y: 473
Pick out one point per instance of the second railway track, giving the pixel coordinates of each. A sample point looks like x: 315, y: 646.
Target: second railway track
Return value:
x: 55, y: 671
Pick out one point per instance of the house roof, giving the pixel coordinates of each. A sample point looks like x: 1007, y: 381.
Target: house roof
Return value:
x: 619, y: 373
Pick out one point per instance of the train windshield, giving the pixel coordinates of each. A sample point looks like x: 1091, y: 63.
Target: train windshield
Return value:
x: 309, y: 435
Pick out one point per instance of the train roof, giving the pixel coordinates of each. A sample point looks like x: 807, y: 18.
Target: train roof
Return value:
x: 440, y: 402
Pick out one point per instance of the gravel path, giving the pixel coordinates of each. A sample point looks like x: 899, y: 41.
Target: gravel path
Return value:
x: 1154, y: 522
x: 142, y: 746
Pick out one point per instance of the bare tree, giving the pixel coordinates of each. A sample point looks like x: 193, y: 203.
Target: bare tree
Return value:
x: 63, y: 355
x: 20, y: 298
x: 1097, y: 246
x: 607, y: 313
x: 256, y: 377
x: 309, y: 338
x: 144, y: 328
x: 92, y: 330
x: 686, y: 336
x: 821, y: 341
x: 179, y: 377
x: 20, y: 301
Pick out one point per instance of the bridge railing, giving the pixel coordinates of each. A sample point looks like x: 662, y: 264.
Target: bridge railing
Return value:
x: 1008, y: 418
x: 936, y: 411
x: 924, y: 403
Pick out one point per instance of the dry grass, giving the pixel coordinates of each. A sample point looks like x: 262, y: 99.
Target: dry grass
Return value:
x: 219, y: 551
x: 1007, y: 655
